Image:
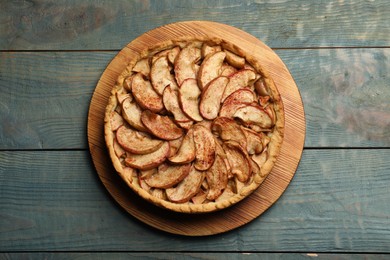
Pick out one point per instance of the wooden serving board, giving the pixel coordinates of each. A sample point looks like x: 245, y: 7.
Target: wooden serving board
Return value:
x: 244, y: 211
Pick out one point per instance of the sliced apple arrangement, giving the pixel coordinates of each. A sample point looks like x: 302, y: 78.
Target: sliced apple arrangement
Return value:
x: 194, y: 125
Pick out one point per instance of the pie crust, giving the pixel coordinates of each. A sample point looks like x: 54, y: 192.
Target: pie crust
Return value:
x: 194, y: 124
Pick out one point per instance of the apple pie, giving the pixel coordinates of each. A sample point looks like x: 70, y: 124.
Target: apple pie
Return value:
x: 194, y: 125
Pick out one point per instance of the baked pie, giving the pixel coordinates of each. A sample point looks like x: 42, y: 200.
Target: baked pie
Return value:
x: 194, y: 125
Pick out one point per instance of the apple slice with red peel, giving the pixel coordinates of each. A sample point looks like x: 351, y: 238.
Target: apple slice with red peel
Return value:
x: 142, y: 66
x: 160, y: 75
x: 116, y: 120
x: 161, y: 126
x: 187, y: 188
x: 238, y: 160
x: 131, y: 112
x: 235, y: 60
x: 145, y: 95
x: 148, y: 161
x: 171, y: 103
x: 254, y: 116
x: 186, y: 153
x: 185, y: 64
x: 137, y: 142
x: 210, y: 68
x: 168, y: 175
x: 217, y: 178
x: 210, y: 102
x: 236, y: 100
x: 244, y: 95
x: 189, y: 93
x: 240, y: 79
x: 228, y: 130
x: 204, y: 147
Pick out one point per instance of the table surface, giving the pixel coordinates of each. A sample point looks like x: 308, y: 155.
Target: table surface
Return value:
x: 52, y: 203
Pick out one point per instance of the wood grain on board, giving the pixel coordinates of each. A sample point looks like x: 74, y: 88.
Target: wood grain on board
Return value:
x: 271, y: 189
x: 343, y: 90
x: 102, y: 25
x: 54, y: 201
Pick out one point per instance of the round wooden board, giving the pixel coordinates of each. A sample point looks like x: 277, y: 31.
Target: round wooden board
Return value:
x: 244, y: 211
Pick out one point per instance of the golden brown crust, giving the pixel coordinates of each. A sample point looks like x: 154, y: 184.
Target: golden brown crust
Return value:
x: 272, y: 150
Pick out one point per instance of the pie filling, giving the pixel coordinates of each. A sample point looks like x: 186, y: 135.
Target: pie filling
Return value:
x: 195, y: 123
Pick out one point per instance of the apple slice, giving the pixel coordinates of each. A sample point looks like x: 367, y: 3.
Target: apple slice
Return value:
x: 122, y: 96
x: 171, y: 103
x: 226, y: 194
x: 160, y: 75
x: 161, y: 126
x: 217, y: 178
x: 235, y: 60
x: 187, y: 188
x: 142, y: 66
x: 131, y: 112
x: 227, y: 70
x: 199, y: 198
x: 228, y: 130
x: 168, y: 175
x: 170, y: 53
x: 205, y: 148
x: 254, y: 141
x: 254, y: 116
x: 128, y: 174
x: 260, y: 159
x: 186, y: 153
x: 207, y: 49
x: 119, y: 151
x: 185, y: 64
x: 148, y: 161
x: 174, y: 146
x: 240, y: 79
x: 210, y: 102
x: 185, y: 124
x: 145, y: 95
x: 210, y: 68
x: 238, y: 160
x: 136, y: 142
x: 115, y: 120
x: 236, y: 100
x: 261, y: 88
x: 127, y: 82
x: 189, y: 93
x: 159, y: 193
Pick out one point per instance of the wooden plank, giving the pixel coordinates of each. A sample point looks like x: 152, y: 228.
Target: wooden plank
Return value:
x: 45, y: 98
x: 53, y: 200
x: 85, y: 25
x: 190, y: 256
x: 345, y: 95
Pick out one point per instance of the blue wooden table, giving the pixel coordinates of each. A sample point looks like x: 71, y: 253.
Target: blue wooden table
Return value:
x: 52, y: 203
